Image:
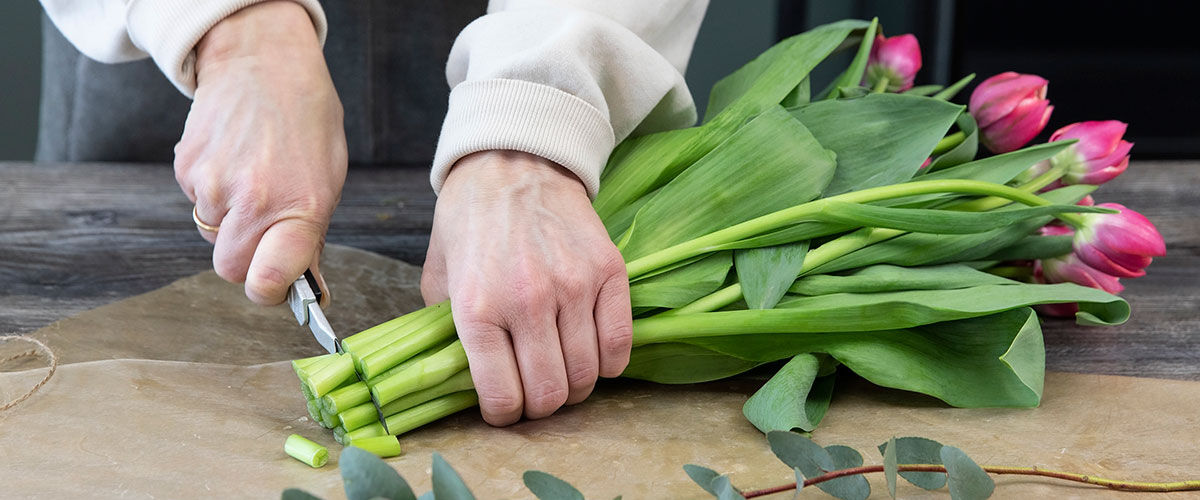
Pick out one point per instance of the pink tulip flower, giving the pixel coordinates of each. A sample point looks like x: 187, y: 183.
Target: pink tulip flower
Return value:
x: 1011, y: 109
x: 1100, y: 155
x: 897, y: 58
x: 1120, y: 244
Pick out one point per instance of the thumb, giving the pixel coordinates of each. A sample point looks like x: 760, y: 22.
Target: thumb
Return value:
x: 286, y: 249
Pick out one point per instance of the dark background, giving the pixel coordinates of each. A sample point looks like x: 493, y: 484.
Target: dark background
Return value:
x: 1131, y: 61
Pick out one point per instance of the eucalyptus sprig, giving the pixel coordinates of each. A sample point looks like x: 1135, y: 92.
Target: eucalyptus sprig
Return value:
x: 837, y: 470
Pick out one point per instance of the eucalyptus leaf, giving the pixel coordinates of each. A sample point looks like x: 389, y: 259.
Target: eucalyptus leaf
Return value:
x: 913, y: 450
x: 724, y: 489
x: 888, y: 278
x: 784, y: 165
x: 447, y: 484
x: 679, y: 363
x: 702, y: 476
x: 849, y: 487
x: 799, y: 452
x: 366, y: 476
x: 547, y: 487
x: 795, y: 397
x: 965, y: 151
x: 766, y: 273
x: 685, y: 284
x: 428, y: 495
x: 968, y: 481
x: 298, y: 494
x: 890, y: 465
x: 879, y: 139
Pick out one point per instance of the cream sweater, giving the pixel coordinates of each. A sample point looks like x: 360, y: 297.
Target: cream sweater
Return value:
x: 562, y: 79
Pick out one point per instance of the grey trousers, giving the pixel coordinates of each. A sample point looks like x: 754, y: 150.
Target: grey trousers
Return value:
x: 387, y: 59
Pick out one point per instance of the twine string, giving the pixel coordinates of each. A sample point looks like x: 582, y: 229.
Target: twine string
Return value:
x: 38, y: 348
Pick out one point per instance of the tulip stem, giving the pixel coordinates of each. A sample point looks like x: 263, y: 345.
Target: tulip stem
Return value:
x: 880, y: 86
x: 949, y: 142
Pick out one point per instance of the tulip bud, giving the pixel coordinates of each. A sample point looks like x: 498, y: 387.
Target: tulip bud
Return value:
x: 1070, y: 269
x: 1011, y: 109
x: 1120, y: 244
x: 1098, y: 157
x: 897, y: 58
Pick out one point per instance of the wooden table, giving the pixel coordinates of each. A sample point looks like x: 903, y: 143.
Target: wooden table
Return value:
x: 75, y: 236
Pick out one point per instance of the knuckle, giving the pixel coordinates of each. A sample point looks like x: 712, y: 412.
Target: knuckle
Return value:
x: 544, y: 397
x: 229, y: 269
x: 618, y: 340
x: 582, y: 375
x: 501, y: 403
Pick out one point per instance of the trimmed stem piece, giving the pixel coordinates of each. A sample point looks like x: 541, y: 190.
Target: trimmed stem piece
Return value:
x: 300, y: 448
x: 381, y: 446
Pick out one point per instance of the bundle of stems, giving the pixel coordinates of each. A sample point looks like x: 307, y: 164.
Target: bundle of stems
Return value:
x: 787, y: 227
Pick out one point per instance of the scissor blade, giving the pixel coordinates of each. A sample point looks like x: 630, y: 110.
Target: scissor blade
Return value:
x: 321, y: 329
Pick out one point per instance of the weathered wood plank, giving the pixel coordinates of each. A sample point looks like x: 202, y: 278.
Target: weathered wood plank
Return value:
x: 76, y: 236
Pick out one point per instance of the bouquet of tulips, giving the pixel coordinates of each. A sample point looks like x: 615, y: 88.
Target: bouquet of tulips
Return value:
x: 855, y: 227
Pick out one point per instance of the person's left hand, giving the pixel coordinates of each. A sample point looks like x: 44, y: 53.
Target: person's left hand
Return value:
x: 538, y: 291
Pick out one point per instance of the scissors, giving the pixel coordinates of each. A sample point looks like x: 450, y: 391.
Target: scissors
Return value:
x: 304, y: 297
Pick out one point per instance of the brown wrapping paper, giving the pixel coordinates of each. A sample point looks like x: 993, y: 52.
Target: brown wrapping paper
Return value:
x: 196, y: 416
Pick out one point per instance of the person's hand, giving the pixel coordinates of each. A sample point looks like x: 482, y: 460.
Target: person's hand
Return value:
x: 539, y: 292
x: 263, y: 153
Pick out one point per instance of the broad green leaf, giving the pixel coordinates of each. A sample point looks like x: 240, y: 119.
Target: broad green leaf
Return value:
x: 990, y: 361
x: 702, y: 476
x: 886, y: 278
x: 798, y: 232
x: 916, y: 249
x: 917, y: 450
x: 858, y: 312
x: 799, y: 452
x: 768, y: 78
x: 1035, y: 247
x: 890, y: 465
x: 879, y: 139
x: 850, y: 487
x: 776, y: 164
x: 298, y: 494
x: 617, y: 224
x: 766, y: 273
x: 366, y: 476
x: 725, y: 490
x: 681, y: 286
x: 795, y: 397
x: 965, y: 151
x: 678, y: 363
x: 1000, y: 169
x: 923, y: 90
x: 800, y: 95
x: 968, y: 481
x: 640, y: 165
x: 447, y: 484
x: 853, y: 75
x: 932, y: 221
x: 547, y: 487
x: 954, y: 88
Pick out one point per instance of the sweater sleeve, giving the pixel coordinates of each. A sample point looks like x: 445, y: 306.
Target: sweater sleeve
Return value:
x: 113, y: 31
x: 567, y: 79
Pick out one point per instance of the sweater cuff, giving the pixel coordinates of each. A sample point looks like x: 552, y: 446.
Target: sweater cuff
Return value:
x: 528, y: 117
x: 170, y: 29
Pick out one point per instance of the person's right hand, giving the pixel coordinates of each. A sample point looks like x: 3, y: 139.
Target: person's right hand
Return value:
x: 263, y: 152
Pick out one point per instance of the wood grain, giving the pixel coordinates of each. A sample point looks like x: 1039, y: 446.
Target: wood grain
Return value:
x: 76, y: 236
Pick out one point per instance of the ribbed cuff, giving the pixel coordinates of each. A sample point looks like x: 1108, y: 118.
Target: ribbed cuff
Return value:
x: 528, y: 117
x: 170, y: 29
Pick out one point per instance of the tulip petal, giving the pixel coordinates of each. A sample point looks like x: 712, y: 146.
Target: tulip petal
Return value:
x: 1000, y: 95
x: 1017, y: 129
x: 1097, y: 139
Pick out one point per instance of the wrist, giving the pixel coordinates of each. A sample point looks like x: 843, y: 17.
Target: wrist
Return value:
x: 273, y: 28
x: 508, y: 171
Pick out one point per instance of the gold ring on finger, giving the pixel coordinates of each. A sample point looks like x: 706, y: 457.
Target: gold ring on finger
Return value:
x: 200, y: 224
